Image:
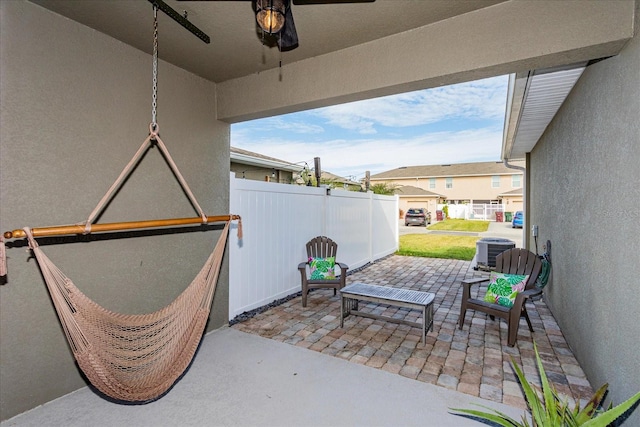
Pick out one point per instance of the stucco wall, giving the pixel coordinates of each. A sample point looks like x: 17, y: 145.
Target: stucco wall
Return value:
x: 584, y: 195
x: 76, y: 106
x: 257, y: 173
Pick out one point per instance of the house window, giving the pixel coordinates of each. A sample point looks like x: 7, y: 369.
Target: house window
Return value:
x: 432, y: 183
x: 516, y: 181
x: 448, y: 182
x: 495, y: 181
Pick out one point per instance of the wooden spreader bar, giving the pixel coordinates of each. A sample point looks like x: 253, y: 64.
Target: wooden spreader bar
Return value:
x: 61, y: 230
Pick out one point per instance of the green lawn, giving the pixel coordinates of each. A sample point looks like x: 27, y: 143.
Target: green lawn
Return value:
x: 460, y: 225
x: 438, y: 246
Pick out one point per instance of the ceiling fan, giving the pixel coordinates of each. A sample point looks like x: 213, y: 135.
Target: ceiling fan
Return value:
x: 275, y: 19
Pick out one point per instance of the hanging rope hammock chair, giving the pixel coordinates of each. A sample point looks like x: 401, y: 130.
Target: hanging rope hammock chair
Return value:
x: 133, y: 358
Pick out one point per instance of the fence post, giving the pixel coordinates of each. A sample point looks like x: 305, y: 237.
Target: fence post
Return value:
x: 370, y: 254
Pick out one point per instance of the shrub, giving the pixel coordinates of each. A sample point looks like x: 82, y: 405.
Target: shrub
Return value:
x: 547, y: 410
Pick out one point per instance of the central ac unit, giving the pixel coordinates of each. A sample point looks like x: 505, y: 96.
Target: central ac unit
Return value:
x: 488, y: 248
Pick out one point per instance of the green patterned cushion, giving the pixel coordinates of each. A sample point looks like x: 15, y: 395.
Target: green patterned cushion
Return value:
x: 322, y: 268
x: 503, y: 288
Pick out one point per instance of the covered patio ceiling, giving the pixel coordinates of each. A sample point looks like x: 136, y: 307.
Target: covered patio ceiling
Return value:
x: 353, y: 51
x: 236, y: 50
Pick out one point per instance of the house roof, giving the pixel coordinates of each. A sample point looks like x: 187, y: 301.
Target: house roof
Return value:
x: 450, y: 170
x: 335, y: 178
x: 514, y: 192
x: 410, y: 190
x: 238, y: 155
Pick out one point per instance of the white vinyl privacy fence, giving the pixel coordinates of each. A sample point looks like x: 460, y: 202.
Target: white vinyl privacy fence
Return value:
x: 279, y: 219
x: 474, y: 211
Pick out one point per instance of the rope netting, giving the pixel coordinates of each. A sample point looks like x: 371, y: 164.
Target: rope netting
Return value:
x: 133, y: 357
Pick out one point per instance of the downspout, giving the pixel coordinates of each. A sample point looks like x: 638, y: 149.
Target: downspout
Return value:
x: 507, y: 143
x: 525, y: 201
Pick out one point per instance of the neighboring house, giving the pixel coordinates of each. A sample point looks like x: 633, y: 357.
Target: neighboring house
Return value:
x: 415, y: 197
x: 339, y: 182
x: 512, y: 200
x: 249, y: 165
x: 258, y: 167
x: 461, y: 183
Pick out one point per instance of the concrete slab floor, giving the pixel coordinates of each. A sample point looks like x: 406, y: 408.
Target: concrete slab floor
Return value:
x: 238, y: 379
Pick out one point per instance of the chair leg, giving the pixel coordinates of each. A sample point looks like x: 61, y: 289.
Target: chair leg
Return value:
x: 305, y: 291
x: 304, y: 283
x: 463, y: 312
x: 526, y: 317
x: 513, y: 322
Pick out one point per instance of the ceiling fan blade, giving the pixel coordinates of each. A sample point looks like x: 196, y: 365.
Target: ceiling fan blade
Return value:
x: 306, y: 1
x: 303, y: 2
x: 288, y: 35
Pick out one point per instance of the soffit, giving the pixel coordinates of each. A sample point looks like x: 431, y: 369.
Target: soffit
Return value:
x: 534, y: 99
x: 235, y: 49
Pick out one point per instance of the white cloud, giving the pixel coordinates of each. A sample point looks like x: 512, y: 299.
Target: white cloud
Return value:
x: 354, y: 157
x: 290, y: 124
x: 482, y: 99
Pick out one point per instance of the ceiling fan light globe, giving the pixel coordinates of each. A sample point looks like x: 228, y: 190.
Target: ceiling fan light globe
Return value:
x: 270, y: 15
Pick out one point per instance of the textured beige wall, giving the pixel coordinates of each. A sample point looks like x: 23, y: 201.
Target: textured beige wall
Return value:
x: 75, y: 108
x: 584, y: 195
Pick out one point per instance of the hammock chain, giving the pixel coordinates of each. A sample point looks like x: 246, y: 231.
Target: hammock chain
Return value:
x: 154, y: 96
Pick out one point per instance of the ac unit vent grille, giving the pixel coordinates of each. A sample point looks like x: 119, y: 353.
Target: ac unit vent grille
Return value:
x: 488, y: 248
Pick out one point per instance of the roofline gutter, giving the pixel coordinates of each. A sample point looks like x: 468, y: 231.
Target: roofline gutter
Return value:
x: 256, y: 161
x: 510, y: 166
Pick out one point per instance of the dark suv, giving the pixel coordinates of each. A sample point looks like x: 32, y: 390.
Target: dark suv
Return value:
x: 417, y: 216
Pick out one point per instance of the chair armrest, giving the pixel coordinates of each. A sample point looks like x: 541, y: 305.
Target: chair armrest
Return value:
x: 342, y: 265
x: 531, y: 293
x: 524, y: 295
x: 302, y: 268
x: 466, y: 286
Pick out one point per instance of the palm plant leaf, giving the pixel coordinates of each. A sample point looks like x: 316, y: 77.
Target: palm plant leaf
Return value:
x: 533, y: 400
x: 497, y: 417
x: 547, y: 410
x: 612, y: 414
x: 591, y: 407
x: 551, y: 416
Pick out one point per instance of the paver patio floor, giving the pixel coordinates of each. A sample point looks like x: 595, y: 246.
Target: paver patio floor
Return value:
x: 475, y: 360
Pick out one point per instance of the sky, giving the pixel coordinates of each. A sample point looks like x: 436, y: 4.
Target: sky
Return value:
x: 460, y: 123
